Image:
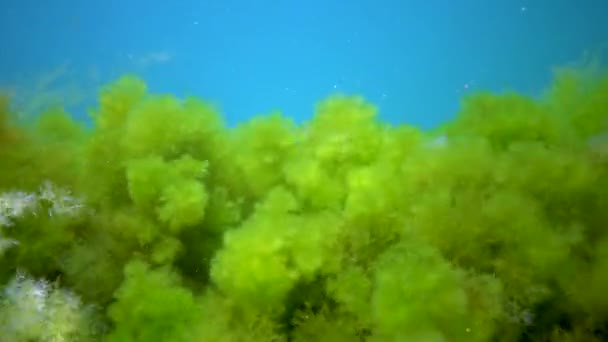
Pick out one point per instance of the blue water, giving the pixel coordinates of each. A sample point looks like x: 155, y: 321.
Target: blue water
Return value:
x: 413, y: 59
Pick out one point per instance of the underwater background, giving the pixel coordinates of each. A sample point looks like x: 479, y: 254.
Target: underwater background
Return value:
x: 303, y: 171
x: 413, y: 59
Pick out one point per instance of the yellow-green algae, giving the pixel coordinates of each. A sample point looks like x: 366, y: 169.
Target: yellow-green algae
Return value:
x: 161, y: 224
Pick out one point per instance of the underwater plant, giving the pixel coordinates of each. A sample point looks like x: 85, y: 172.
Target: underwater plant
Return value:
x: 159, y: 223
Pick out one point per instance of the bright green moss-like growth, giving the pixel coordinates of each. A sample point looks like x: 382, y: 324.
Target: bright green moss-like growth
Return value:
x: 152, y: 306
x: 262, y: 147
x: 419, y: 296
x: 174, y: 191
x: 263, y: 260
x: 158, y: 223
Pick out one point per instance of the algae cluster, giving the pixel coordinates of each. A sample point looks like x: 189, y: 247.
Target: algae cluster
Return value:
x: 159, y: 223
